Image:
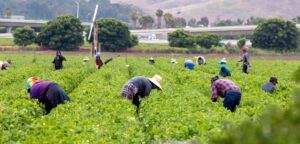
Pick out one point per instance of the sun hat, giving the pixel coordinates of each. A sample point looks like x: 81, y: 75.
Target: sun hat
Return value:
x: 156, y: 80
x: 151, y: 58
x: 201, y: 58
x: 188, y: 61
x: 223, y: 60
x: 86, y: 58
x: 31, y: 81
x: 98, y: 54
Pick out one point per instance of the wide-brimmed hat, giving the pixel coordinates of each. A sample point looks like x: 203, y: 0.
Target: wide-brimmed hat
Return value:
x: 198, y: 57
x: 31, y: 81
x: 151, y: 58
x: 156, y: 80
x: 5, y: 64
x: 223, y: 60
x: 98, y: 54
x: 188, y: 61
x: 86, y: 58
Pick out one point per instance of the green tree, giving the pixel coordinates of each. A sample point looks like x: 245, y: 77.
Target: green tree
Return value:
x: 241, y: 42
x: 192, y: 22
x: 63, y: 33
x: 134, y: 17
x: 203, y: 21
x: 24, y: 36
x: 227, y: 22
x: 255, y: 20
x: 114, y: 35
x: 180, y: 22
x: 169, y: 20
x: 276, y: 34
x: 296, y: 19
x: 146, y: 22
x: 207, y: 40
x: 181, y: 38
x: 7, y: 12
x: 159, y: 13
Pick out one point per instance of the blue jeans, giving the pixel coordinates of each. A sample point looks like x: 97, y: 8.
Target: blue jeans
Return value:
x: 231, y: 100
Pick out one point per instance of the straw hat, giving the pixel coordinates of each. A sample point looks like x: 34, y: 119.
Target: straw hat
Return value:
x: 151, y: 58
x: 203, y: 59
x: 188, y: 61
x: 156, y: 80
x: 6, y: 64
x: 223, y: 60
x: 86, y: 58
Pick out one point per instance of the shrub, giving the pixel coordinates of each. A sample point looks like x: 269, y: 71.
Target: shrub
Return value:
x: 63, y: 33
x: 241, y: 42
x: 276, y: 34
x: 24, y: 36
x: 207, y: 40
x: 181, y: 38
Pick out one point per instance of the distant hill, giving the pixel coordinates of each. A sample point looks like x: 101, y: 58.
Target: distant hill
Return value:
x: 221, y: 9
x: 49, y: 9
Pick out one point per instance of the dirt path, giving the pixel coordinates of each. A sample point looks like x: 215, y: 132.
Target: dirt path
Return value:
x: 86, y: 53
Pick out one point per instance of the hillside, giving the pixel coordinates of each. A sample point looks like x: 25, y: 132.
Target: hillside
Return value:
x: 221, y: 9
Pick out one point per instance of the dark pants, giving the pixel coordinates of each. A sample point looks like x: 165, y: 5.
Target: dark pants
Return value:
x: 58, y: 67
x: 136, y: 101
x: 231, y: 100
x: 54, y: 96
x: 245, y: 68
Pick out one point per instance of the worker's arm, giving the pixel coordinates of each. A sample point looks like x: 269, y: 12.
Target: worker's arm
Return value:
x: 214, y: 94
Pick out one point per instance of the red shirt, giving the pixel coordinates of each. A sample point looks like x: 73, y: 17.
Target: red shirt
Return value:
x: 219, y: 87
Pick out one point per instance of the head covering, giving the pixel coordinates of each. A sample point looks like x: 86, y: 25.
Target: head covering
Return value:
x: 156, y: 80
x: 5, y: 64
x: 200, y: 57
x: 273, y: 79
x: 223, y: 61
x: 188, y: 61
x: 244, y: 49
x: 86, y: 58
x: 214, y: 79
x: 173, y: 61
x: 98, y: 54
x: 31, y: 81
x: 151, y: 58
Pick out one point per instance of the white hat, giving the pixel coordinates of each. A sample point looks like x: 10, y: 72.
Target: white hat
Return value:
x: 202, y: 57
x: 223, y: 60
x: 151, y: 58
x: 156, y: 80
x: 189, y: 61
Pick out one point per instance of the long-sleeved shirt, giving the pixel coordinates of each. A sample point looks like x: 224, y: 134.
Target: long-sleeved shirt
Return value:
x: 143, y: 84
x: 39, y: 90
x: 227, y: 70
x: 269, y: 87
x: 189, y: 65
x: 245, y: 59
x: 58, y: 61
x: 219, y: 87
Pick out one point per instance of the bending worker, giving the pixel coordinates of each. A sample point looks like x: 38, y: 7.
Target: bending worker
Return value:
x: 4, y: 64
x: 140, y: 87
x: 189, y: 64
x: 228, y: 90
x: 200, y: 60
x: 48, y: 93
x: 224, y: 70
x: 271, y: 86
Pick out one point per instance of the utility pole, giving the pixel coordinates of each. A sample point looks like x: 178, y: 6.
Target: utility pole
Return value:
x: 77, y: 3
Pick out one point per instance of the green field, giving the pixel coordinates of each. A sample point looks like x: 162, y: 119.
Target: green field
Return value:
x: 182, y: 112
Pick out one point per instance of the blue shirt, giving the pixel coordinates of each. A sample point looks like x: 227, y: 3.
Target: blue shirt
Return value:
x: 269, y: 87
x: 189, y: 65
x: 227, y: 70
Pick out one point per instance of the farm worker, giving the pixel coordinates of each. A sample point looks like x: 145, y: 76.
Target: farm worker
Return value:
x: 200, y: 60
x: 189, y: 64
x: 245, y: 60
x: 271, y: 86
x: 5, y: 64
x: 58, y: 61
x: 173, y: 61
x: 226, y: 89
x: 151, y: 60
x: 224, y: 70
x: 140, y: 87
x: 85, y: 60
x: 99, y: 62
x: 48, y: 93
